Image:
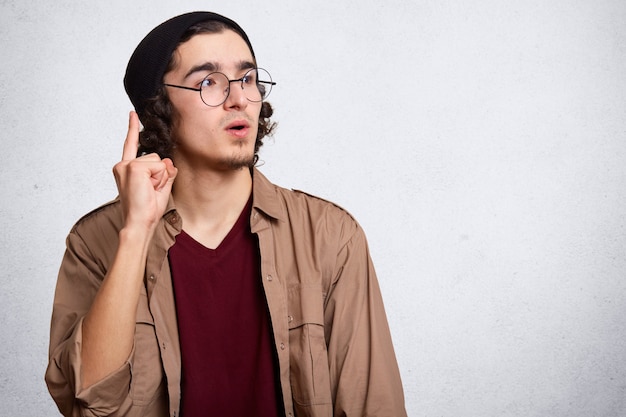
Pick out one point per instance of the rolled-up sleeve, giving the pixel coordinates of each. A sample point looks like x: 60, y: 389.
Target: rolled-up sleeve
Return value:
x: 63, y: 377
x: 80, y: 277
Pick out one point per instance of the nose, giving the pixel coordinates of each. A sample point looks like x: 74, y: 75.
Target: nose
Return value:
x: 236, y: 97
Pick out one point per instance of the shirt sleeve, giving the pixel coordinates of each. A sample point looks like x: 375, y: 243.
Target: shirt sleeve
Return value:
x: 365, y: 380
x: 79, y: 279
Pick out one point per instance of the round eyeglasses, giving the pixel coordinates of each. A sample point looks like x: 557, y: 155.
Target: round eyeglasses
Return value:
x: 215, y: 87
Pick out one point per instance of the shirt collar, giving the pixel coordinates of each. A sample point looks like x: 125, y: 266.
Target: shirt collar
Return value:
x: 265, y: 197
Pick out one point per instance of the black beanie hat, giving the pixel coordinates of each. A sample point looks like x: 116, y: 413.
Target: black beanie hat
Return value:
x: 147, y: 65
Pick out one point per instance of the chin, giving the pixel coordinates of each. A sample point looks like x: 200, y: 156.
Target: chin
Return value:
x: 236, y: 162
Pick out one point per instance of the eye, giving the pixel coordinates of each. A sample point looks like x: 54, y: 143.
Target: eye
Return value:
x: 249, y: 78
x: 211, y: 81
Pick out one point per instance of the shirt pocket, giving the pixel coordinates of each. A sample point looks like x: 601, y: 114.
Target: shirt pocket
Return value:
x: 146, y: 369
x: 308, y: 358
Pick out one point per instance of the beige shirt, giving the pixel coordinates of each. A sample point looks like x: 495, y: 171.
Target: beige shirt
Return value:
x: 331, y: 334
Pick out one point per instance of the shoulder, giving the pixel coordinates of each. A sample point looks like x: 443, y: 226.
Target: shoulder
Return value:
x: 312, y: 201
x: 302, y: 212
x: 108, y: 210
x: 103, y: 222
x: 276, y: 199
x: 94, y: 238
x: 323, y: 214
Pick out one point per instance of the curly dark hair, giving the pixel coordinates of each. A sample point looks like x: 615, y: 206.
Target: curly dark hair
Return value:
x: 157, y: 115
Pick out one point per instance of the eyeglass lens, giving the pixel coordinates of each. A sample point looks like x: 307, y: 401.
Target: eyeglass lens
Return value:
x: 256, y: 85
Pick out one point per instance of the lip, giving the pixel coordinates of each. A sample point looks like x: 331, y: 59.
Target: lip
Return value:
x: 237, y: 123
x: 238, y: 128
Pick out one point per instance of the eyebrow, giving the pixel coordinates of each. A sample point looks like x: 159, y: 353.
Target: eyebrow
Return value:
x: 216, y: 66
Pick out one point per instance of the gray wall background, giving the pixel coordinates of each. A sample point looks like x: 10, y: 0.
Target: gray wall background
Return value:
x: 480, y: 144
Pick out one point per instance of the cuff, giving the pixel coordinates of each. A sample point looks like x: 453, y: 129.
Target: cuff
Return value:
x: 107, y: 395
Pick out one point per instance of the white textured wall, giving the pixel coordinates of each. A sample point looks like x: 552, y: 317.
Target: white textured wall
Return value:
x: 482, y: 145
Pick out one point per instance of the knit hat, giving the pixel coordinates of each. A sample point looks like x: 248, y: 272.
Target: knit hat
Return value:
x: 147, y: 65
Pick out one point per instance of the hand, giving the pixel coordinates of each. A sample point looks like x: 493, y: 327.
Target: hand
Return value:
x: 144, y: 183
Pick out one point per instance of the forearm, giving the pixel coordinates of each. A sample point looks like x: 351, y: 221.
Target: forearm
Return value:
x: 109, y: 326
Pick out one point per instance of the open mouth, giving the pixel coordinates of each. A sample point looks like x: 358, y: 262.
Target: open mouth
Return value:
x: 238, y: 128
x: 237, y: 125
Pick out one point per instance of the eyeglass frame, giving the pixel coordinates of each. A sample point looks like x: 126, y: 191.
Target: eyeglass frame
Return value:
x: 184, y: 87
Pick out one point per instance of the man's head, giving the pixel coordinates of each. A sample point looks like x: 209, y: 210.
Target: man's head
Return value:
x: 157, y: 61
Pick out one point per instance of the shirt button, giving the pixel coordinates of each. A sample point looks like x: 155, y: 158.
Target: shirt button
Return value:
x: 151, y: 278
x: 289, y: 319
x: 282, y: 346
x: 173, y: 219
x: 269, y: 278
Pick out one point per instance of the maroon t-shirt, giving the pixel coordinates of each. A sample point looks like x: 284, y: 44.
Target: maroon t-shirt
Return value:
x: 228, y: 358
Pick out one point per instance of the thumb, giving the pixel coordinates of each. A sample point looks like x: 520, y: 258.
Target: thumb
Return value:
x: 171, y: 172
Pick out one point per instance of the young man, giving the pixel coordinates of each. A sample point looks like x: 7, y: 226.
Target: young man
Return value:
x: 204, y: 289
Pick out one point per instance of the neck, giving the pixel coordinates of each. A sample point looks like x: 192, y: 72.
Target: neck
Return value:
x: 210, y: 202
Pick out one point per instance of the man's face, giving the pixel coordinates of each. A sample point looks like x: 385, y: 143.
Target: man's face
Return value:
x: 222, y: 137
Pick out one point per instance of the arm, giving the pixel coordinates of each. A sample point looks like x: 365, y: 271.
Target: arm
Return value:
x: 365, y: 379
x: 109, y: 326
x: 102, y: 322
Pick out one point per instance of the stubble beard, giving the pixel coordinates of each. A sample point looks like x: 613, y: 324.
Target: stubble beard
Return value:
x: 237, y: 162
x: 240, y: 159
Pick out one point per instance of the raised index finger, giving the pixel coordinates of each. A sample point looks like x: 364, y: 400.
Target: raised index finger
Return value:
x: 131, y: 144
